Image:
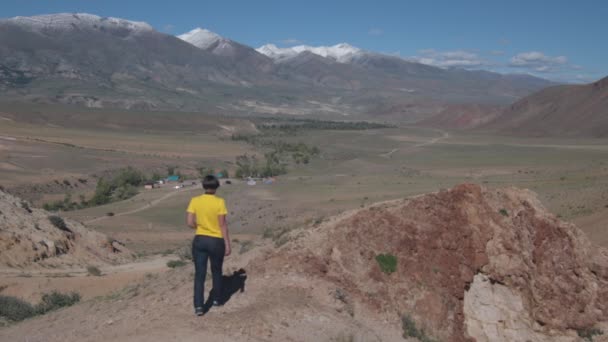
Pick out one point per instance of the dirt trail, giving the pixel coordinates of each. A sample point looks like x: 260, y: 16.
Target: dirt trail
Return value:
x: 444, y: 135
x: 31, y: 284
x: 142, y: 208
x: 149, y: 264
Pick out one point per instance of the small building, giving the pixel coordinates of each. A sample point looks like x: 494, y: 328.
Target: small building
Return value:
x: 173, y: 178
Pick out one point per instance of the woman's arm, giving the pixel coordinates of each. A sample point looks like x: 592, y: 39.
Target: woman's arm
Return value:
x: 191, y: 220
x: 224, y: 228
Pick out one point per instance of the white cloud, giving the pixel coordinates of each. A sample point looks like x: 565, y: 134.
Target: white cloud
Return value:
x: 374, y: 31
x: 446, y: 59
x: 537, y: 61
x: 291, y: 41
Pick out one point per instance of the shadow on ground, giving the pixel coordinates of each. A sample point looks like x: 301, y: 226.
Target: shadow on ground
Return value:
x: 230, y: 285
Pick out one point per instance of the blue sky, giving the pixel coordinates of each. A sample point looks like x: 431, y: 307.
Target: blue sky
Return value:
x: 560, y: 40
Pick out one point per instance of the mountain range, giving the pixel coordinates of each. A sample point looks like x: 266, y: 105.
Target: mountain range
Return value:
x: 110, y: 62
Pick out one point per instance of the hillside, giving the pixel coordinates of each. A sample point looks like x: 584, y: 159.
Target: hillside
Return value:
x: 461, y: 117
x: 102, y: 62
x: 473, y: 264
x: 572, y: 110
x: 33, y: 238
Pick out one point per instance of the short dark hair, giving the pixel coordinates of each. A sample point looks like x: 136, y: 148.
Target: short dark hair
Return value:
x: 210, y: 182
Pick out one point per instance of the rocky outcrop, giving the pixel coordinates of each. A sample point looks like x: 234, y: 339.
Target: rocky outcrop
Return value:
x: 473, y: 264
x: 31, y: 237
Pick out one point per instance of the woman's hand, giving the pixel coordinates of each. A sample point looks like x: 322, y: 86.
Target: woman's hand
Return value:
x: 228, y: 250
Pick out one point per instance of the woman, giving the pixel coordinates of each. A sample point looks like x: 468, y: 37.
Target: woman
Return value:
x: 207, y: 214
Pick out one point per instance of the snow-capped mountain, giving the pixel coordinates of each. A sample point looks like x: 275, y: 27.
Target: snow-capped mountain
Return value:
x: 88, y: 59
x: 68, y: 21
x: 342, y: 52
x: 201, y: 38
x: 227, y: 48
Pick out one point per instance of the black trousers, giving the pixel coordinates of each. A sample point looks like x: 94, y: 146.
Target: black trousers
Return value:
x: 203, y: 248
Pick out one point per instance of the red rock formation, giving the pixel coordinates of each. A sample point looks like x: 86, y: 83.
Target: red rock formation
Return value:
x: 502, y: 242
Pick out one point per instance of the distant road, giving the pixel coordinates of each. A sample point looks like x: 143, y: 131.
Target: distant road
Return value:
x: 144, y: 207
x: 444, y: 135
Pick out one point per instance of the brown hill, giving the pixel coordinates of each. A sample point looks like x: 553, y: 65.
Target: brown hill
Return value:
x: 472, y: 265
x: 571, y: 110
x: 31, y: 238
x: 462, y: 116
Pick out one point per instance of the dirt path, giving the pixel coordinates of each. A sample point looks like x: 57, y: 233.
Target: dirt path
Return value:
x: 389, y: 154
x: 444, y: 135
x: 142, y: 208
x: 31, y: 284
x: 149, y: 264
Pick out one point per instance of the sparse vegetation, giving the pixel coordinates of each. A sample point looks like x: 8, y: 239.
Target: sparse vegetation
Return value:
x: 65, y: 204
x: 279, y: 235
x: 589, y: 333
x: 246, y: 246
x: 184, y: 253
x: 15, y: 309
x: 175, y: 263
x: 387, y: 263
x: 119, y: 187
x: 293, y: 126
x: 59, y: 223
x: 503, y: 212
x: 26, y: 206
x: 94, y: 271
x: 55, y: 300
x: 410, y: 330
x: 278, y: 156
x: 250, y: 166
x: 204, y: 171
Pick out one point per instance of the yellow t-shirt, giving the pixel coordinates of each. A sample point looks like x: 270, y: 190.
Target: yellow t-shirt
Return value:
x: 207, y: 207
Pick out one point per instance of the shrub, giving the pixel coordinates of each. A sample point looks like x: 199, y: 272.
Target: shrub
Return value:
x: 503, y: 212
x: 110, y: 214
x: 184, y: 253
x: 55, y: 300
x: 26, y: 206
x: 387, y: 263
x: 410, y: 330
x: 94, y: 271
x: 246, y: 246
x: 204, y: 171
x: 589, y: 333
x: 176, y: 263
x: 59, y: 223
x: 15, y: 309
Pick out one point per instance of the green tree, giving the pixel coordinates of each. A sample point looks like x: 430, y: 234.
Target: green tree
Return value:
x: 103, y: 192
x: 205, y: 171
